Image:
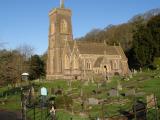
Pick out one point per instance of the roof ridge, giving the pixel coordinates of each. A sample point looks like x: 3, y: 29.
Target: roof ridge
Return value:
x: 90, y: 43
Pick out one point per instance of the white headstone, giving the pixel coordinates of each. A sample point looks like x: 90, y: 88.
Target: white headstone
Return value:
x: 44, y: 91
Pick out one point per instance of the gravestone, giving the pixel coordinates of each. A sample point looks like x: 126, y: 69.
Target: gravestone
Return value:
x: 93, y: 101
x: 139, y: 94
x: 16, y: 84
x: 32, y: 91
x: 69, y: 83
x: 119, y: 86
x: 81, y: 92
x: 130, y: 76
x: 135, y: 71
x: 44, y: 91
x: 92, y: 81
x: 113, y: 92
x: 130, y: 92
x: 140, y: 70
x: 86, y: 83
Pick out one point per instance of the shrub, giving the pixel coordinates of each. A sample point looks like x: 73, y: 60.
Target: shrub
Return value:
x: 63, y: 101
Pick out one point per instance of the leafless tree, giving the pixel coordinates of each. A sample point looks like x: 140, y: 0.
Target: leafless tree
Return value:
x: 26, y: 50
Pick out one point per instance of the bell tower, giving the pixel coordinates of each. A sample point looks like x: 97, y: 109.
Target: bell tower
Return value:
x: 60, y: 30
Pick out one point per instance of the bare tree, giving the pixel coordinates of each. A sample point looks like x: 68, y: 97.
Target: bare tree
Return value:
x: 9, y: 72
x: 26, y: 50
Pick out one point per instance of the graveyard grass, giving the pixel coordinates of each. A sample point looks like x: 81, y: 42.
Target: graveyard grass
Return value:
x: 147, y: 81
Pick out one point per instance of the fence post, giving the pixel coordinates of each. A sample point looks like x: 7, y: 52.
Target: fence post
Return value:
x: 41, y: 113
x: 134, y: 107
x: 102, y: 110
x: 156, y: 106
x: 34, y: 112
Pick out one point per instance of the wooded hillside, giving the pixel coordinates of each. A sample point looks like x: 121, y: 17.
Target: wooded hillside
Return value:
x: 139, y: 38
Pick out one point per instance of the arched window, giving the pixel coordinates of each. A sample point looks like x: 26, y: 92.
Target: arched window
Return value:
x: 88, y: 65
x: 63, y: 25
x: 75, y: 62
x: 66, y: 65
x: 115, y: 64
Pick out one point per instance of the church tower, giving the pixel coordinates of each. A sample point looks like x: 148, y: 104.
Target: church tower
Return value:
x: 60, y: 30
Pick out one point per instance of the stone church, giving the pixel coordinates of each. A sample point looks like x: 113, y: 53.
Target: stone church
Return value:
x: 70, y: 59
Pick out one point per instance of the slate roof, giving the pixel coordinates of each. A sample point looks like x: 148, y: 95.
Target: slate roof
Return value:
x: 94, y: 48
x: 98, y: 62
x: 97, y: 49
x: 121, y: 52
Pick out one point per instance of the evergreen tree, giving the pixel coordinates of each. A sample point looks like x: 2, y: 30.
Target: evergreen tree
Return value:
x: 154, y: 26
x: 143, y: 46
x: 36, y: 67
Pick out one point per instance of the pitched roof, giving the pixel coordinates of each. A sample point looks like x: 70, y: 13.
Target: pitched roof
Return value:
x: 121, y: 52
x: 98, y: 62
x: 96, y: 48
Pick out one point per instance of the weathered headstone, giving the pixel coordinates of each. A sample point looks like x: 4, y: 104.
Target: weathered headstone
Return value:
x: 119, y: 86
x: 135, y: 71
x: 130, y: 76
x: 81, y: 92
x: 139, y: 94
x: 69, y: 83
x: 140, y: 70
x: 32, y: 91
x: 86, y: 83
x: 113, y: 92
x: 16, y: 84
x: 92, y: 81
x: 93, y: 101
x: 130, y: 92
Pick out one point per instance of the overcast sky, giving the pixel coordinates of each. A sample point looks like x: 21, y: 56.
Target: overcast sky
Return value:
x: 26, y: 21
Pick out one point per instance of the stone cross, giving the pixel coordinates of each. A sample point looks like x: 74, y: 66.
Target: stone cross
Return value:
x: 61, y: 3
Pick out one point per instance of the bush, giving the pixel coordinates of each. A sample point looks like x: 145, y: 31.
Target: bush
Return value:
x: 63, y: 101
x: 157, y: 62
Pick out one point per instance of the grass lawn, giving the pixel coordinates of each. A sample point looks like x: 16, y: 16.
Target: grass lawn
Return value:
x: 11, y: 103
x: 147, y: 81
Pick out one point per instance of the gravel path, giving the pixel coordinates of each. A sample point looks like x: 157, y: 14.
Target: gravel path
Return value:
x: 8, y: 115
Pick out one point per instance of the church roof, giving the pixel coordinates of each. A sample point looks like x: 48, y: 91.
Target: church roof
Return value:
x: 98, y: 62
x: 96, y: 48
x: 121, y: 52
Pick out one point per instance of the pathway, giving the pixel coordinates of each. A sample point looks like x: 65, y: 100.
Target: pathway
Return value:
x: 8, y: 115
